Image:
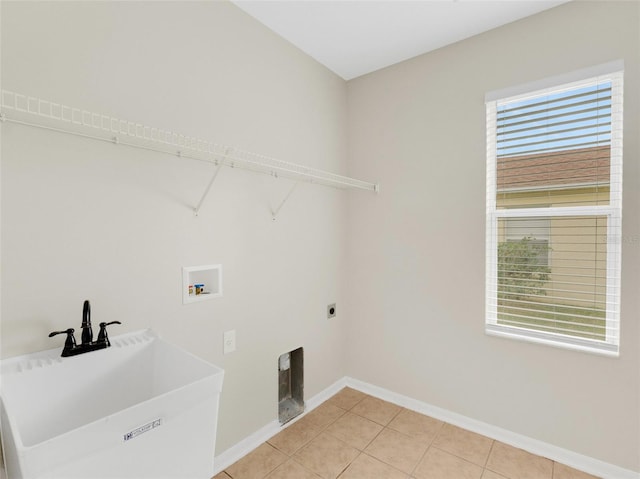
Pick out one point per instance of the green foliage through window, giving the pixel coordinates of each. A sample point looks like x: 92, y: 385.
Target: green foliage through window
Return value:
x: 520, y: 272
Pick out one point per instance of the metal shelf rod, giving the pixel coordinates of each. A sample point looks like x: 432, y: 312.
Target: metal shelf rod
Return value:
x: 35, y: 112
x: 196, y: 210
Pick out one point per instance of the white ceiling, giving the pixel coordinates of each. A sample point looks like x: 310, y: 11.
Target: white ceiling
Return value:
x: 354, y: 37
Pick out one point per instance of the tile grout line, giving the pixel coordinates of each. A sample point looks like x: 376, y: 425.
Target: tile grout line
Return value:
x: 360, y: 453
x: 346, y: 411
x: 486, y: 461
x: 412, y: 474
x: 387, y: 427
x: 321, y: 430
x: 363, y: 450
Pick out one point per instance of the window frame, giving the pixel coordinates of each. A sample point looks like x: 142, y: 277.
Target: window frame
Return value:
x: 614, y: 72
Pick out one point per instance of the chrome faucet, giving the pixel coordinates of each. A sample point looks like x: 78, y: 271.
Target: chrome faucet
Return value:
x: 87, y: 344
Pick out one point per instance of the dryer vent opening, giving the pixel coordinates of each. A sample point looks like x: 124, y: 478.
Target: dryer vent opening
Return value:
x: 290, y: 385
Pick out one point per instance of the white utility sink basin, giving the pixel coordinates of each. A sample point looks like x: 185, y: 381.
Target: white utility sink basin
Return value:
x: 142, y: 408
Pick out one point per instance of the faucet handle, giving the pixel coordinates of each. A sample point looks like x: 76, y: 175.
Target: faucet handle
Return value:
x: 104, y: 325
x: 103, y: 337
x: 69, y: 331
x: 70, y: 343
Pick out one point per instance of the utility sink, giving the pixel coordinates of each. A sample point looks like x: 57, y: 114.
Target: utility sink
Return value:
x: 142, y: 408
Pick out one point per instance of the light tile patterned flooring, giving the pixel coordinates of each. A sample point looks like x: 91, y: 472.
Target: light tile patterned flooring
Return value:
x: 356, y: 436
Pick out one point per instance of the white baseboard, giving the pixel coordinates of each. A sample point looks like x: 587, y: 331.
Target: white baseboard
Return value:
x: 244, y: 447
x: 248, y: 444
x: 540, y: 448
x: 534, y: 446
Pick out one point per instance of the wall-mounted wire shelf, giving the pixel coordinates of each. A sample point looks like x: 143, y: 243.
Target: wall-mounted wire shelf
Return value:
x: 36, y: 112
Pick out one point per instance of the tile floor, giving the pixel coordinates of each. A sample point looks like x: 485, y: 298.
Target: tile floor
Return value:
x: 356, y: 436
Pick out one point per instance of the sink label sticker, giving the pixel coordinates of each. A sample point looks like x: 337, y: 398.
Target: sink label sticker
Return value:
x: 142, y: 429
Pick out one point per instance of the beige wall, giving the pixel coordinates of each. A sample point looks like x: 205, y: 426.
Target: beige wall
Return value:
x: 82, y: 219
x: 86, y: 220
x: 416, y: 252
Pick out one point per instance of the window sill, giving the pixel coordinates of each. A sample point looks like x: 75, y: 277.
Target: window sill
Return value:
x: 554, y: 340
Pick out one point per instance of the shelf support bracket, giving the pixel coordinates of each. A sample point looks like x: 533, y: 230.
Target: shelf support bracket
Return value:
x: 196, y: 210
x: 275, y: 212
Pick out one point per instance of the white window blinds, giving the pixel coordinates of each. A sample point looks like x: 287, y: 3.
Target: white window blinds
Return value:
x: 554, y: 188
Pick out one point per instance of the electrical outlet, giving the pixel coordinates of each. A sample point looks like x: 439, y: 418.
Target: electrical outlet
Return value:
x: 229, y: 341
x: 331, y: 311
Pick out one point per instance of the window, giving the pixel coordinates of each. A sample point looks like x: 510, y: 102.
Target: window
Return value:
x: 554, y: 193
